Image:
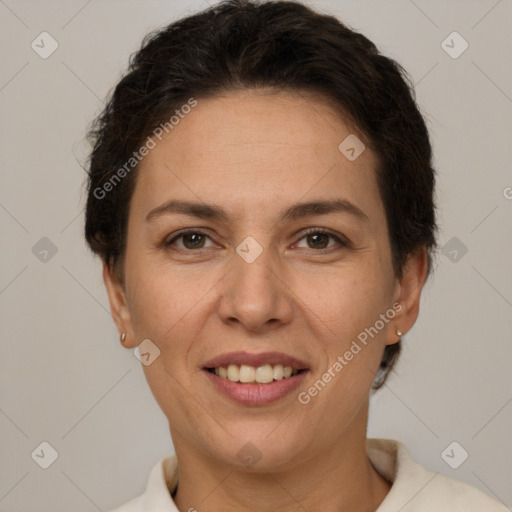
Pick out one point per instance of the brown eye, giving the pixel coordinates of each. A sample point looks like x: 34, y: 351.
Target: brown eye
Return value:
x: 318, y: 239
x: 191, y: 240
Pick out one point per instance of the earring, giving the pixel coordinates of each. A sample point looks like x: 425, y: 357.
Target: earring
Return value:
x: 399, y: 332
x: 123, y: 337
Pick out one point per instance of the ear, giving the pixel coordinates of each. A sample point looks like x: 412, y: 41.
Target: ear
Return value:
x: 118, y: 305
x: 408, y: 294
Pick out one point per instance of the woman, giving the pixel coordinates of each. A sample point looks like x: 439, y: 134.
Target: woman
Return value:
x: 261, y: 196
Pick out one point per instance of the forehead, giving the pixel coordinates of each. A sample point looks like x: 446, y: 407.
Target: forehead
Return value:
x: 256, y: 149
x: 242, y: 120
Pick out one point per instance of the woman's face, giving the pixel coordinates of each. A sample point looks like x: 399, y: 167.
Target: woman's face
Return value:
x: 255, y: 280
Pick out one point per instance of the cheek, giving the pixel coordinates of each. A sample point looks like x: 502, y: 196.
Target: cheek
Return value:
x: 167, y: 310
x: 163, y: 305
x: 342, y: 315
x: 344, y: 312
x: 167, y: 305
x: 345, y: 301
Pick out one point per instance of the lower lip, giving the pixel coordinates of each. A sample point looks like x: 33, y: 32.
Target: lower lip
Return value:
x: 256, y: 394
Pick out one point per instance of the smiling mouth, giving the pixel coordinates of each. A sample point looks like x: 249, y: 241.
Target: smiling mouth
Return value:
x: 246, y: 374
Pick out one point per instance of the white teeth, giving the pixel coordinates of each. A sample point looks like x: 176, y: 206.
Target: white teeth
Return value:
x: 248, y: 374
x: 278, y: 372
x: 233, y: 373
x: 264, y: 374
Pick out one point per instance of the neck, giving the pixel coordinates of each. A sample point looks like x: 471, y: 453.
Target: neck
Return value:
x: 337, y: 478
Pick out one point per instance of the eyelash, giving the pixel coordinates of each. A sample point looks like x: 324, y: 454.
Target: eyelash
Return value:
x: 343, y: 243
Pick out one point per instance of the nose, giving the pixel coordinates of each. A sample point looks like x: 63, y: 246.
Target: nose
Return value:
x: 256, y: 295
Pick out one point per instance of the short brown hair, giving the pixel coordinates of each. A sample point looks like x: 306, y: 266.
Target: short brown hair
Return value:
x: 239, y: 44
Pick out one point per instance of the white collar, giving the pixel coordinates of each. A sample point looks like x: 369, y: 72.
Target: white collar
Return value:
x: 414, y: 488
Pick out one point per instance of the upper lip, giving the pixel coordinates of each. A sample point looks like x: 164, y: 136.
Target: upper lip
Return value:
x: 256, y: 360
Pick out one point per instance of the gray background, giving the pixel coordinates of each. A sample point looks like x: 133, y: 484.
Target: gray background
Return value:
x: 66, y: 380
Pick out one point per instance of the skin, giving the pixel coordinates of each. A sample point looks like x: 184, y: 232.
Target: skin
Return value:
x: 255, y: 153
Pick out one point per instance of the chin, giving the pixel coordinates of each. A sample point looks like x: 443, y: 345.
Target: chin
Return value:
x: 257, y: 451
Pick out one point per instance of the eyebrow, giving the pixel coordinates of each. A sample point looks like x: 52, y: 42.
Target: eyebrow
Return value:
x: 294, y: 212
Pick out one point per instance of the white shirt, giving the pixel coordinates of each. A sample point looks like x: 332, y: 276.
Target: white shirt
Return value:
x: 414, y: 488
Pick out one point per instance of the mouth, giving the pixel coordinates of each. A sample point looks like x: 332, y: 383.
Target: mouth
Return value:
x: 255, y: 379
x: 247, y: 374
x: 250, y: 368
